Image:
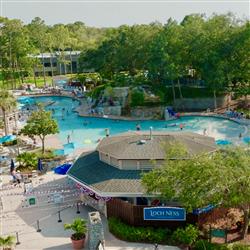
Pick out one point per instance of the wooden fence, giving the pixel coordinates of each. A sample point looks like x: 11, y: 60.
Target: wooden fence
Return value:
x: 133, y: 215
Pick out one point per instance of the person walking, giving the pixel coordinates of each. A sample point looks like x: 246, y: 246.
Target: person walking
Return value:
x: 18, y: 178
x: 204, y: 131
x: 240, y: 136
x: 68, y: 138
x: 138, y: 127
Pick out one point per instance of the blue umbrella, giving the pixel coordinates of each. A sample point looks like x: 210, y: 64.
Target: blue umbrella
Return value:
x: 12, y: 166
x: 39, y: 165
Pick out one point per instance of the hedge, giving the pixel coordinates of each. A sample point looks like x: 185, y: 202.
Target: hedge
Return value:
x: 138, y: 234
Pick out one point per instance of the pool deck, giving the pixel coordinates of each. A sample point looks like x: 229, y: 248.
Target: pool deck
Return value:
x: 15, y: 218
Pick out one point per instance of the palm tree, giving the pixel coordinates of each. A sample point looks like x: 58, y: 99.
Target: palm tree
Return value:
x: 7, y: 242
x: 8, y: 102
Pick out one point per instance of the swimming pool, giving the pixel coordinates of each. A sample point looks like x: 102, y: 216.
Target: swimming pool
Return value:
x: 85, y: 131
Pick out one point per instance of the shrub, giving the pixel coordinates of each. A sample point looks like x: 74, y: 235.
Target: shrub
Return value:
x: 10, y: 143
x: 205, y: 245
x: 108, y: 92
x: 7, y: 242
x: 187, y: 235
x: 27, y: 161
x: 95, y: 93
x: 137, y: 234
x: 48, y: 154
x: 239, y: 247
x: 137, y: 98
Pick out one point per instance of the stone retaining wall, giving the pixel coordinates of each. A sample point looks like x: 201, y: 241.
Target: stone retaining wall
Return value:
x: 147, y: 112
x: 198, y: 104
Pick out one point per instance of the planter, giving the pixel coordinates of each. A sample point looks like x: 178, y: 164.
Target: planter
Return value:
x: 79, y: 227
x: 78, y: 244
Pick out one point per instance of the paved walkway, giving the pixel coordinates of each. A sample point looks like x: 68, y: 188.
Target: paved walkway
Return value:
x: 16, y: 218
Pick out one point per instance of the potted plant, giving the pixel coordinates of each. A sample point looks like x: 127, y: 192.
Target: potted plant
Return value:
x: 7, y: 243
x: 78, y: 237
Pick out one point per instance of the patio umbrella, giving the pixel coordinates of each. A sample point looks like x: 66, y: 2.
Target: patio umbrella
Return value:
x: 39, y: 165
x: 12, y: 165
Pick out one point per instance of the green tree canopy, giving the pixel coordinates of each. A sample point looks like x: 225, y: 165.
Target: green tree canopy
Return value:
x: 40, y: 124
x: 137, y: 98
x: 221, y: 178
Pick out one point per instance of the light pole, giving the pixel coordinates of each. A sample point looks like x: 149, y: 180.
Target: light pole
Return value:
x: 16, y: 130
x: 1, y: 61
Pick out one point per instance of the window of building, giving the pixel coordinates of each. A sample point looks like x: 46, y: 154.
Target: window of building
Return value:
x: 47, y: 64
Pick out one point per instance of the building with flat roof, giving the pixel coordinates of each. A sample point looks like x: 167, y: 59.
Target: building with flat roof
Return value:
x: 57, y: 63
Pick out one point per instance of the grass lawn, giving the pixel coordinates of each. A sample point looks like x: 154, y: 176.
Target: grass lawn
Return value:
x: 30, y: 80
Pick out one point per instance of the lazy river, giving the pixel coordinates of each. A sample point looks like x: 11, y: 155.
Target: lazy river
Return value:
x: 86, y: 131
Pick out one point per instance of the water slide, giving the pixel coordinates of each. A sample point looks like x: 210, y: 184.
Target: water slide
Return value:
x: 171, y: 112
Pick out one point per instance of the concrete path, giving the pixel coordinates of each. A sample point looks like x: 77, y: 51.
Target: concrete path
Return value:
x: 16, y: 218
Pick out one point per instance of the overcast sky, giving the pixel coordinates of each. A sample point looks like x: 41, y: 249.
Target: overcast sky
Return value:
x: 102, y: 13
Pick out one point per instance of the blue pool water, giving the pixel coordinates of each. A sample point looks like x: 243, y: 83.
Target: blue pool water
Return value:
x: 85, y: 131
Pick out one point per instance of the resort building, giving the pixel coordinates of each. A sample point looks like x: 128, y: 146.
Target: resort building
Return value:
x: 112, y: 172
x: 57, y: 63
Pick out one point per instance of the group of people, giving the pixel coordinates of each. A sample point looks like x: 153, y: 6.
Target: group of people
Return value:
x: 234, y: 114
x: 63, y: 113
x: 181, y: 126
x: 95, y: 112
